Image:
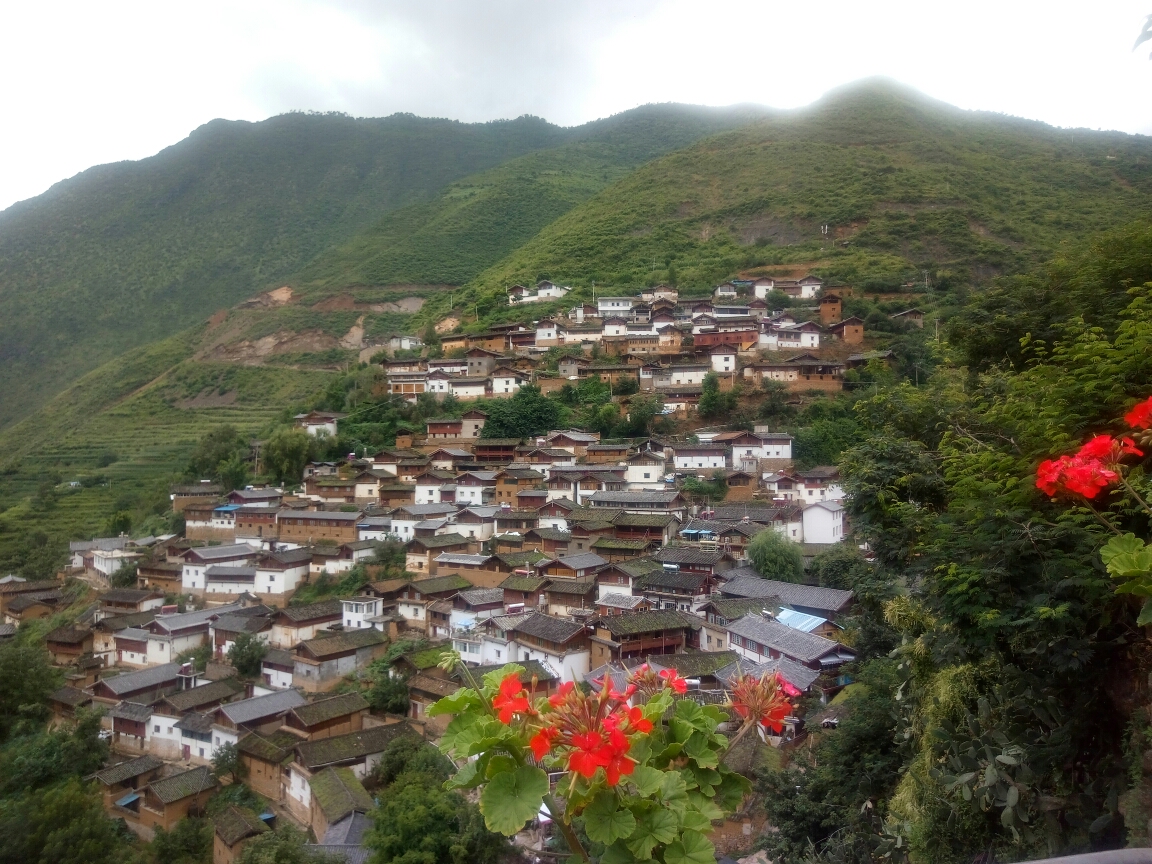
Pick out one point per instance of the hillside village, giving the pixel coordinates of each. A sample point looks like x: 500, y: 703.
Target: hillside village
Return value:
x: 667, y: 345
x: 576, y: 557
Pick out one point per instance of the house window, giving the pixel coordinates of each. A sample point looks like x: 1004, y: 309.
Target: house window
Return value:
x: 201, y: 749
x: 156, y: 727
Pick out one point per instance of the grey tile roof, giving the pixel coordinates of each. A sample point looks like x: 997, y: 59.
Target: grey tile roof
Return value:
x: 348, y: 831
x: 130, y: 682
x: 323, y: 710
x: 438, y: 541
x: 620, y: 601
x: 631, y: 623
x: 70, y: 696
x: 180, y: 620
x: 132, y: 711
x: 234, y: 823
x: 215, y: 553
x: 461, y: 558
x: 688, y: 555
x: 205, y: 694
x: 583, y: 561
x: 796, y: 644
x: 348, y: 748
x: 577, y: 587
x: 551, y: 629
x: 313, y: 611
x: 623, y: 499
x: 799, y: 676
x: 258, y: 707
x: 193, y: 722
x: 126, y: 770
x: 180, y: 786
x: 482, y: 596
x: 695, y: 663
x: 279, y: 657
x: 440, y: 584
x: 339, y: 793
x: 241, y: 623
x: 127, y: 595
x: 789, y: 593
x: 731, y: 608
x: 682, y: 580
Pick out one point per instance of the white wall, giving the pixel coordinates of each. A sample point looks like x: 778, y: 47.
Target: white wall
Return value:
x: 278, y: 679
x: 280, y: 581
x: 718, y: 460
x: 357, y: 611
x: 723, y: 362
x: 642, y: 477
x: 428, y: 493
x: 573, y: 666
x: 469, y: 495
x: 822, y: 525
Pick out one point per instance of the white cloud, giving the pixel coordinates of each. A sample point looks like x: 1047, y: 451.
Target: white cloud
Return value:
x: 87, y: 83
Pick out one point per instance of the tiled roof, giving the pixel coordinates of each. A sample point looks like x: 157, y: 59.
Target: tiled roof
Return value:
x: 620, y: 601
x: 623, y: 499
x: 631, y: 623
x: 323, y: 710
x: 348, y: 748
x: 241, y: 623
x: 276, y: 747
x: 796, y: 674
x: 127, y: 595
x: 434, y: 686
x: 182, y: 785
x: 482, y: 596
x: 551, y: 629
x: 611, y: 543
x: 234, y: 823
x: 688, y: 555
x: 638, y: 567
x: 439, y: 541
x: 194, y: 722
x: 153, y: 676
x: 796, y: 644
x: 457, y: 558
x: 180, y: 620
x: 543, y: 672
x: 25, y: 601
x: 126, y: 770
x: 523, y: 583
x: 438, y: 584
x: 68, y: 635
x: 215, y: 553
x: 312, y: 611
x: 552, y: 534
x: 247, y: 710
x: 348, y: 832
x: 695, y: 664
x: 583, y: 561
x: 217, y: 691
x: 731, y: 608
x: 643, y: 520
x: 327, y: 646
x: 754, y: 513
x: 578, y: 587
x: 662, y: 578
x: 789, y: 593
x: 70, y: 696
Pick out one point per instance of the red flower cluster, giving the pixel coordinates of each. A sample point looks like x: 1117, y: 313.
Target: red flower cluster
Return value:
x: 512, y: 698
x: 1095, y: 466
x: 672, y: 679
x: 762, y: 700
x: 1140, y: 417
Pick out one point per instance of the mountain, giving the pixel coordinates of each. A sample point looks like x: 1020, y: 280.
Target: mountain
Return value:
x: 905, y: 185
x: 126, y: 254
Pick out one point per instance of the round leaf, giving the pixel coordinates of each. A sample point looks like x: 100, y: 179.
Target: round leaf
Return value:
x: 692, y: 848
x: 656, y: 827
x: 605, y: 823
x: 512, y: 798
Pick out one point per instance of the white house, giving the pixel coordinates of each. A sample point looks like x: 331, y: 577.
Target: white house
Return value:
x: 470, y: 487
x: 824, y: 522
x: 358, y: 610
x: 505, y: 382
x: 374, y: 528
x: 558, y: 643
x: 404, y: 520
x: 774, y: 445
x: 547, y: 333
x: 612, y: 306
x: 698, y: 456
x: 810, y: 286
x: 198, y: 560
x: 474, y: 387
x: 645, y: 471
x: 723, y: 359
x: 438, y: 382
x: 319, y: 422
x: 687, y: 373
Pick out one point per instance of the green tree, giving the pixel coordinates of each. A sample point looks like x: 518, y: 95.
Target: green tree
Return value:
x: 286, y: 453
x: 776, y: 557
x: 626, y: 386
x: 388, y: 693
x: 189, y: 842
x: 285, y: 845
x: 119, y: 523
x: 226, y: 762
x: 26, y: 681
x: 526, y: 414
x: 775, y: 407
x: 233, y: 472
x: 65, y: 822
x: 217, y: 446
x: 246, y: 653
x: 711, y: 403
x: 40, y: 758
x: 125, y: 576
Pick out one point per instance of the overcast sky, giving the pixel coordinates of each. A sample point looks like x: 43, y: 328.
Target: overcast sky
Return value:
x: 85, y: 83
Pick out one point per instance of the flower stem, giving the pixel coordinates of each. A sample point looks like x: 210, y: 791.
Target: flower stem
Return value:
x: 569, y: 834
x: 1135, y: 495
x: 1102, y: 520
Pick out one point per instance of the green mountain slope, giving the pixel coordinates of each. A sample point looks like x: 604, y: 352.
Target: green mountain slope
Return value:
x: 904, y: 183
x: 125, y: 254
x: 476, y: 221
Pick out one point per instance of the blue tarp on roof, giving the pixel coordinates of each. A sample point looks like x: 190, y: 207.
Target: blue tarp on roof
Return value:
x: 228, y: 507
x: 128, y: 799
x: 799, y: 620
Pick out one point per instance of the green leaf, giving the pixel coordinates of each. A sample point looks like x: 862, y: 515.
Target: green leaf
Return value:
x: 492, y: 679
x: 617, y: 853
x: 646, y: 780
x: 655, y: 707
x: 1013, y: 796
x: 466, y: 777
x: 460, y: 723
x: 697, y: 747
x: 697, y: 822
x: 705, y: 806
x: 687, y: 718
x: 498, y: 764
x: 674, y: 792
x: 1007, y: 760
x: 1127, y: 544
x: 1145, y: 616
x: 605, y: 822
x: 692, y: 848
x: 512, y: 798
x: 653, y: 828
x: 456, y: 703
x: 481, y: 735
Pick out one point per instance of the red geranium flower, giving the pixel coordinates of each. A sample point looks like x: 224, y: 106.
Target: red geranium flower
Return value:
x: 589, y: 754
x: 1099, y: 447
x: 672, y: 679
x: 1080, y: 475
x: 512, y: 698
x: 1140, y: 417
x: 637, y: 721
x: 541, y: 742
x: 560, y: 695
